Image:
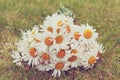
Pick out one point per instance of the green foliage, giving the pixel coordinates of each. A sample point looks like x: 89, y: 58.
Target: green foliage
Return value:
x: 63, y: 10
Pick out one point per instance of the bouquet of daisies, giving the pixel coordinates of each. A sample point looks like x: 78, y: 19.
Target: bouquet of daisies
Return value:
x: 58, y: 45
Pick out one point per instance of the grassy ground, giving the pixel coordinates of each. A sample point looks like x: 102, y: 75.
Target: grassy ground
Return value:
x: 104, y: 15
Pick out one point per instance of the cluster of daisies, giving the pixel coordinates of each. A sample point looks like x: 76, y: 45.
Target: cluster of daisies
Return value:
x: 58, y: 45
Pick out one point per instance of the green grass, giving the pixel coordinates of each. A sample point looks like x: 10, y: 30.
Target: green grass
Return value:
x: 104, y: 15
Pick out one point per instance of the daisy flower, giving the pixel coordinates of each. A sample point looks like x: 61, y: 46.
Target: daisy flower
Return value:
x: 93, y: 45
x: 35, y: 30
x: 45, y: 38
x: 17, y: 56
x: 61, y: 41
x: 88, y: 34
x: 58, y: 66
x: 100, y: 49
x: 26, y: 36
x: 74, y: 55
x: 75, y: 33
x: 31, y: 55
x: 46, y: 58
x: 89, y: 59
x: 56, y: 22
x: 32, y: 36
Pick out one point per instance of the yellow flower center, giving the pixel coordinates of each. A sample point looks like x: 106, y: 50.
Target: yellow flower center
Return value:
x: 68, y: 29
x: 91, y: 60
x: 61, y: 53
x: 74, y: 51
x: 33, y: 32
x: 48, y: 41
x: 45, y: 56
x: 59, y: 66
x: 59, y: 23
x: 32, y: 52
x: 58, y: 30
x: 59, y: 39
x: 66, y: 20
x: 87, y: 34
x: 36, y: 40
x: 50, y: 29
x: 72, y: 58
x: 77, y: 35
